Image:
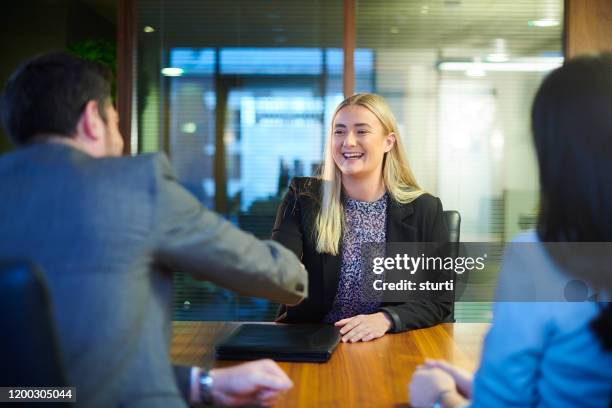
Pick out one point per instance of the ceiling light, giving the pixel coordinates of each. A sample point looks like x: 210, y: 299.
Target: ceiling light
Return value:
x: 172, y: 72
x: 523, y: 65
x: 475, y: 71
x: 189, y: 127
x: 497, y: 57
x: 547, y: 22
x: 500, y: 51
x: 148, y: 29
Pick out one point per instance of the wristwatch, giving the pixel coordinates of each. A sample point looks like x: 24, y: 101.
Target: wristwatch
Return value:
x: 205, y: 383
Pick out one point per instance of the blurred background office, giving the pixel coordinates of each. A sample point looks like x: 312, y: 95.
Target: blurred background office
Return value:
x: 239, y: 94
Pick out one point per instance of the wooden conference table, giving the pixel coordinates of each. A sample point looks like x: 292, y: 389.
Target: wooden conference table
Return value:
x: 372, y: 374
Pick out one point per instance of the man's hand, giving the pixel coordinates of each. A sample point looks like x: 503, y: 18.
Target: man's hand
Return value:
x: 364, y: 327
x: 428, y: 385
x: 463, y: 378
x: 259, y: 382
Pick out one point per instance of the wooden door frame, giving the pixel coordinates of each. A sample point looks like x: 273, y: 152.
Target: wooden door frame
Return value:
x: 126, y: 70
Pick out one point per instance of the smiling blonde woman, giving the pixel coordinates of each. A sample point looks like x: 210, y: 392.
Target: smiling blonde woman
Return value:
x: 365, y: 194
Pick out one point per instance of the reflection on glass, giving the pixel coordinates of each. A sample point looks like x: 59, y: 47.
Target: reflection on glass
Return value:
x: 276, y: 104
x: 240, y: 94
x: 460, y: 77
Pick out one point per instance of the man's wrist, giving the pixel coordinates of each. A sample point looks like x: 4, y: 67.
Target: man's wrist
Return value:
x: 205, y: 382
x: 201, y: 387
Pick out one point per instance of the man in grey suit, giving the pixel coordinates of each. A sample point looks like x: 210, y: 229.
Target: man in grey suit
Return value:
x: 109, y: 231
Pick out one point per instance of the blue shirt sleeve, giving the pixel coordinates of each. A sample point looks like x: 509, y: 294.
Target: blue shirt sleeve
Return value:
x: 509, y: 370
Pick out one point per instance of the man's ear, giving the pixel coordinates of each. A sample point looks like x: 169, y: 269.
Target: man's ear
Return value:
x: 389, y: 142
x: 91, y: 124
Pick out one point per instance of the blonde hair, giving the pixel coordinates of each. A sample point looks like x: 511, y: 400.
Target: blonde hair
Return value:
x: 397, y: 176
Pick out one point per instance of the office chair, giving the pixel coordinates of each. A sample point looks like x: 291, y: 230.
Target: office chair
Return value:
x: 29, y: 351
x: 453, y: 221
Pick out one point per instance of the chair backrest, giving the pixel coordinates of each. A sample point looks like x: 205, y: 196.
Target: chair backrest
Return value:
x: 453, y: 221
x: 29, y: 351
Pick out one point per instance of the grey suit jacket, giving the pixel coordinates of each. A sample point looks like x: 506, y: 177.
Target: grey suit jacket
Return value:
x: 109, y: 233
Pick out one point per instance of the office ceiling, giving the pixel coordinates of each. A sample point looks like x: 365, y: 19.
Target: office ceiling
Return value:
x: 457, y: 28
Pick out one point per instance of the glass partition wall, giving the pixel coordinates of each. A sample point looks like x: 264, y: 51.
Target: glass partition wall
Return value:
x: 240, y: 93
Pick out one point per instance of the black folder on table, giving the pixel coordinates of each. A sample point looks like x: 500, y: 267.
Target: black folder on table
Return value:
x: 281, y: 342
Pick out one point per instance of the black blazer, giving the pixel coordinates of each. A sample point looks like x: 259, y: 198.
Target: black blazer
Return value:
x: 419, y: 221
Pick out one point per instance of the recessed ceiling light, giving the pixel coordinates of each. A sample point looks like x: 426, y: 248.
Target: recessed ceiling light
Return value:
x: 189, y: 127
x: 547, y: 22
x: 148, y: 29
x: 173, y: 72
x: 475, y: 72
x: 497, y: 57
x: 543, y: 64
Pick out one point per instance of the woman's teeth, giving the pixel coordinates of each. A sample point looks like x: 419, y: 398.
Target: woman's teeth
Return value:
x: 352, y: 155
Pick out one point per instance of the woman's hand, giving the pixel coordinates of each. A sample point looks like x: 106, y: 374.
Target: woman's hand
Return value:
x: 363, y: 327
x: 428, y: 385
x: 463, y: 378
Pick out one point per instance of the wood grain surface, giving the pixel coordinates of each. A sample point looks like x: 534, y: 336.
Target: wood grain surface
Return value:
x: 373, y: 374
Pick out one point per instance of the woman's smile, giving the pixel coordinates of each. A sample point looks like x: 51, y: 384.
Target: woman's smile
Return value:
x: 352, y: 155
x: 359, y: 142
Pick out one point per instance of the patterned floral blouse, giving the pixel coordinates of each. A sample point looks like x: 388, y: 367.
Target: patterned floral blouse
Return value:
x: 366, y: 222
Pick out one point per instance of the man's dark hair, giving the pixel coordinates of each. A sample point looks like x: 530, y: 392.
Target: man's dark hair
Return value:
x: 47, y: 95
x: 572, y: 131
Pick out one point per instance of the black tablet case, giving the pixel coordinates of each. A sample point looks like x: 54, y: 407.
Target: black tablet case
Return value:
x: 280, y: 342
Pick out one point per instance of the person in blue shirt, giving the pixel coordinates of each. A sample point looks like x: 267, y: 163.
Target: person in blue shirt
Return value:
x: 538, y: 353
